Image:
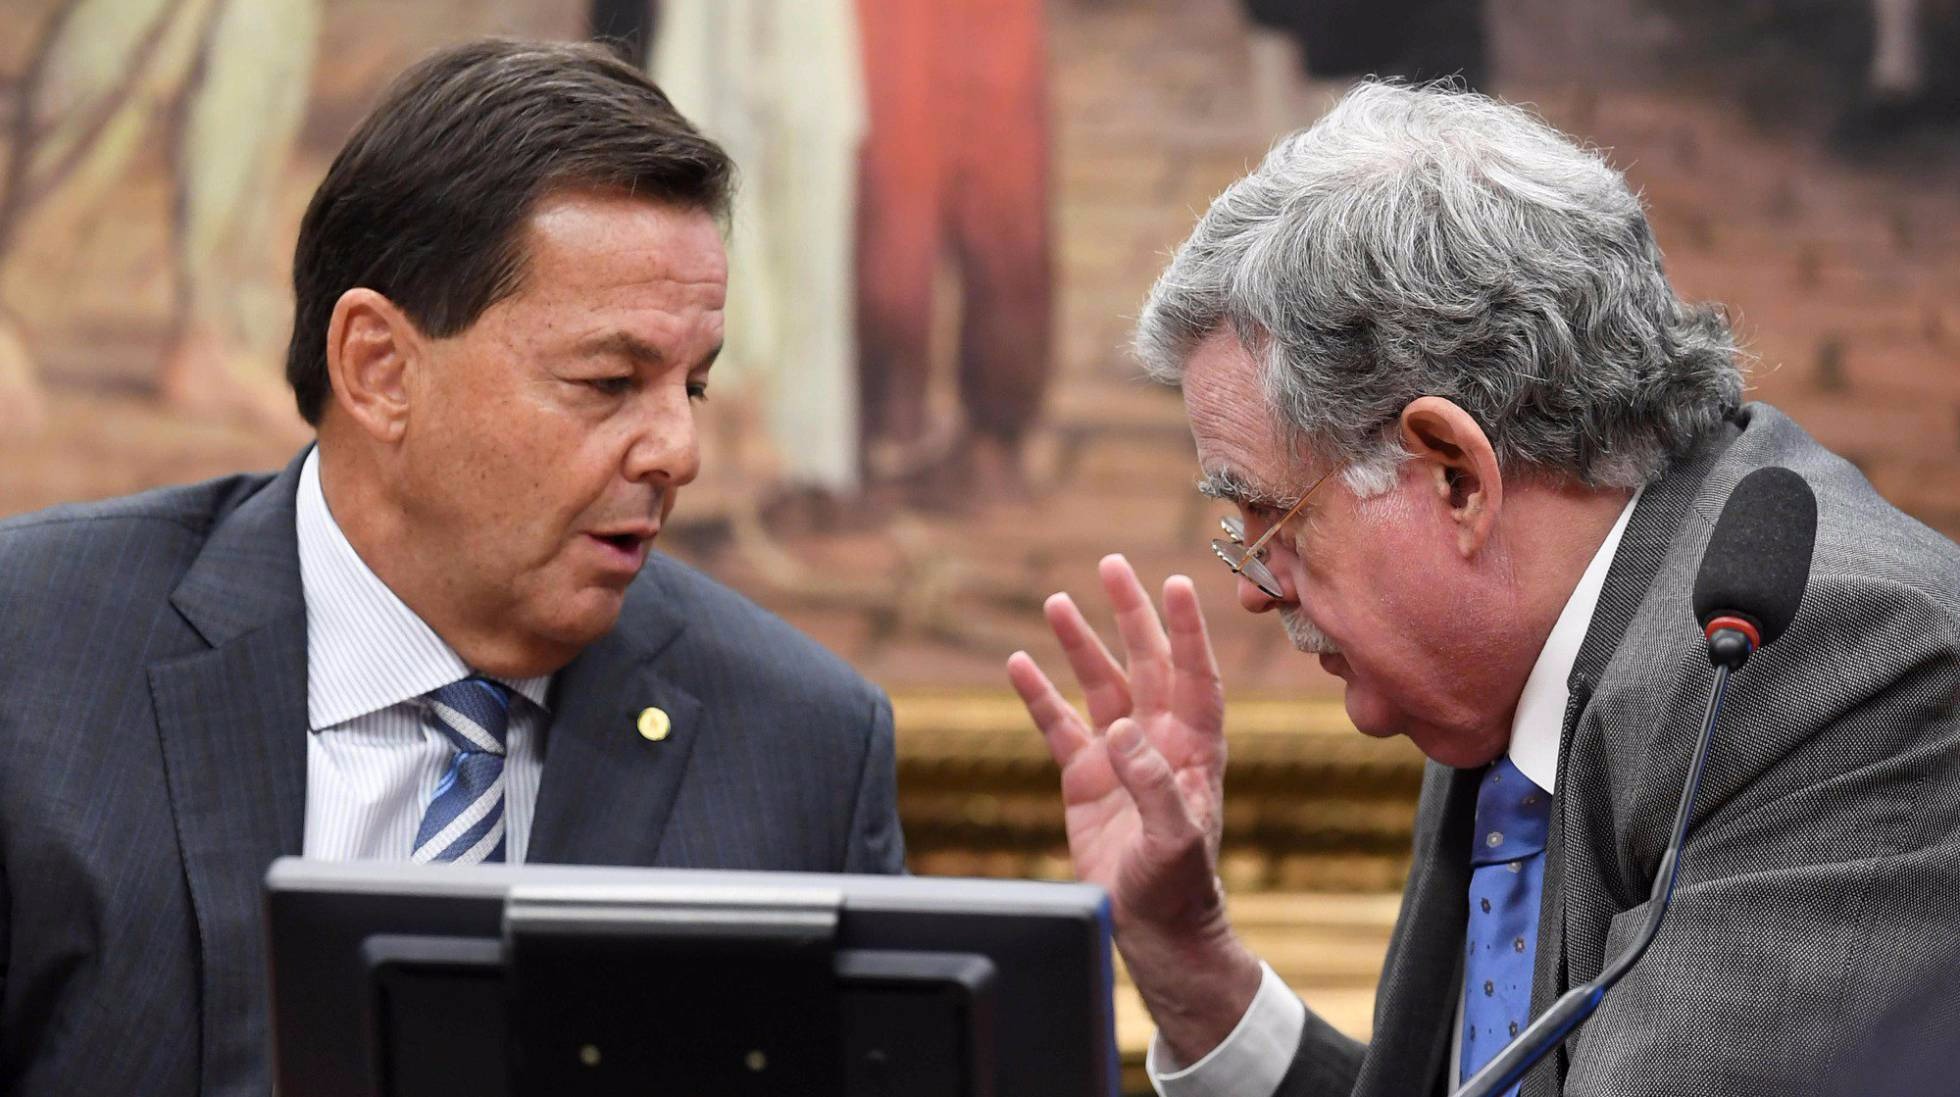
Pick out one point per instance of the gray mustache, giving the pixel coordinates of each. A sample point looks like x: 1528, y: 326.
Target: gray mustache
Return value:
x: 1305, y: 635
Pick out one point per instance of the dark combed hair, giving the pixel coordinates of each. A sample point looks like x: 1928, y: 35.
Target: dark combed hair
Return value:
x: 428, y: 200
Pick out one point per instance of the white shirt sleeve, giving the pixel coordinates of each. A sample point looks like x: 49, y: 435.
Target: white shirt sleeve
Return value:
x: 1250, y: 1062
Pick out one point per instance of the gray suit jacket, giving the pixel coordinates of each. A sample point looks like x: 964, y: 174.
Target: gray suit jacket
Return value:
x: 153, y: 763
x: 1815, y: 908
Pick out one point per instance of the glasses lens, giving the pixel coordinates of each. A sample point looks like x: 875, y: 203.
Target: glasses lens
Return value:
x: 1233, y: 527
x: 1233, y: 553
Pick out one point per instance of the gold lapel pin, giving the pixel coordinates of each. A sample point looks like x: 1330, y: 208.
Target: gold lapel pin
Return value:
x: 654, y: 725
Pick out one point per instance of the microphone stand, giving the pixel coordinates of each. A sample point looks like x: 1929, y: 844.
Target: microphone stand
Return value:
x: 1727, y: 648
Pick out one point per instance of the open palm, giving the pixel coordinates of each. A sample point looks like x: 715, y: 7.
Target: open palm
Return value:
x: 1142, y: 781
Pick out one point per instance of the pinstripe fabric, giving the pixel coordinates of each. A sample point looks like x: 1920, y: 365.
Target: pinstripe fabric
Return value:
x: 373, y: 758
x: 154, y: 684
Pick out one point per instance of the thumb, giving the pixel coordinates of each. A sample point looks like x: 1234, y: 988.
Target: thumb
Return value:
x: 1151, y: 785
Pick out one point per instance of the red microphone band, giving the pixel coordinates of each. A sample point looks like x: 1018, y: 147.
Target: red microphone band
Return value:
x: 1742, y: 625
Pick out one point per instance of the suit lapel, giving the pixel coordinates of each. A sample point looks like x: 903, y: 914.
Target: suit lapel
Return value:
x: 232, y: 720
x: 1651, y: 532
x: 1410, y: 1052
x: 1548, y: 977
x: 607, y: 790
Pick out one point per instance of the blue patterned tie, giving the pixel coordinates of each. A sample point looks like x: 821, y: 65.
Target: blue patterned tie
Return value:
x: 1507, y: 877
x: 465, y: 820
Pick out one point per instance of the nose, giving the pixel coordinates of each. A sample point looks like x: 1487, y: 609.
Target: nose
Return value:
x: 1255, y: 600
x: 665, y: 451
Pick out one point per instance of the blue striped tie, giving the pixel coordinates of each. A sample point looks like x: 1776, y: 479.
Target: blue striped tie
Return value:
x: 465, y: 820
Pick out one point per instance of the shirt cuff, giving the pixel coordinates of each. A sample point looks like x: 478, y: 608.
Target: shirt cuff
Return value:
x: 1248, y: 1063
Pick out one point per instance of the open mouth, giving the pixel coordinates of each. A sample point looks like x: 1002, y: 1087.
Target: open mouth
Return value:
x: 625, y: 551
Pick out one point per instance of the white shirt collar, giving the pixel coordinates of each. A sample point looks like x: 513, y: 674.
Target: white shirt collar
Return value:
x: 1540, y: 717
x: 365, y: 649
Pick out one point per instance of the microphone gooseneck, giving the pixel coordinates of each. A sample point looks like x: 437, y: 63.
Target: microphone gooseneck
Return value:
x: 1751, y: 580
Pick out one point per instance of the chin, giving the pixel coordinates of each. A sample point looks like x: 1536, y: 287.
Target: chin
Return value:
x: 1455, y: 749
x: 1374, y: 716
x: 1371, y: 715
x: 582, y: 617
x: 538, y: 635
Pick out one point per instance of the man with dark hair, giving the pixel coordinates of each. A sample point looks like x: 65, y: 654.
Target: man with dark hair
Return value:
x: 440, y: 634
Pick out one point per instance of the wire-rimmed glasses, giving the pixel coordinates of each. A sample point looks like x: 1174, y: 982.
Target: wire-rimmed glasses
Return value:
x: 1250, y: 560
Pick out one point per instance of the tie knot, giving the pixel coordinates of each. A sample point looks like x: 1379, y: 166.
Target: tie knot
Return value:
x: 473, y: 713
x: 1513, y: 816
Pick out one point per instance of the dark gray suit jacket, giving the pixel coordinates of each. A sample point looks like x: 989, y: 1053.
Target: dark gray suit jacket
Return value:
x: 1815, y: 910
x: 153, y: 763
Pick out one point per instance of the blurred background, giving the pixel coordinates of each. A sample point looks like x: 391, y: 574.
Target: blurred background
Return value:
x: 926, y: 420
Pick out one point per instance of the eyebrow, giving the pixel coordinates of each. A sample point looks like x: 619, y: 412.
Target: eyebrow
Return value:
x: 621, y: 344
x: 1229, y: 485
x: 628, y: 345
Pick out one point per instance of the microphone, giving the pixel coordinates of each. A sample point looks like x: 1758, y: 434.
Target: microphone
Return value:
x: 1756, y: 565
x: 1751, y: 580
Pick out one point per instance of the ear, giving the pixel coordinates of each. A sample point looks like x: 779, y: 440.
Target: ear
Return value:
x: 1456, y: 460
x: 371, y: 348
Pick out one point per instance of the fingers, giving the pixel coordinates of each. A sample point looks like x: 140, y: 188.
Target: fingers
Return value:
x: 1059, y: 724
x: 1196, y: 696
x: 1144, y: 645
x: 1152, y: 787
x: 1111, y: 690
x: 1105, y: 687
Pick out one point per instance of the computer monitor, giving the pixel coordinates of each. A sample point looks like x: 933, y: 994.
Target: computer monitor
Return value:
x: 400, y: 980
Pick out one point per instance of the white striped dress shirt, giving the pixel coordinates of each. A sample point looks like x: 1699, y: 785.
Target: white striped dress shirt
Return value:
x: 372, y: 759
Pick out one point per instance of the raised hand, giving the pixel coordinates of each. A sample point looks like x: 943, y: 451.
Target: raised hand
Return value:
x: 1142, y: 791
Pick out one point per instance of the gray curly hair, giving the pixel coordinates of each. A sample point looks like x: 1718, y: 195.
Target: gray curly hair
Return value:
x: 1431, y: 241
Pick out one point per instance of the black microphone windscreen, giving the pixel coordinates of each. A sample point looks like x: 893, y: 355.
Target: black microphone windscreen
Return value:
x: 1758, y: 559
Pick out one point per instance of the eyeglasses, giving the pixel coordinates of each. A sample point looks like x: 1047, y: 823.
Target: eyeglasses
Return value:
x: 1250, y: 560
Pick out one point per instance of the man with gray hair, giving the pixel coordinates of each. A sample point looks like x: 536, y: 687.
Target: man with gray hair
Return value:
x: 1476, y: 446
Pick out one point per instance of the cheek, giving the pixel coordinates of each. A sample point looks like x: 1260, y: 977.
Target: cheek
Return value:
x: 1386, y: 592
x: 543, y: 454
x: 476, y: 436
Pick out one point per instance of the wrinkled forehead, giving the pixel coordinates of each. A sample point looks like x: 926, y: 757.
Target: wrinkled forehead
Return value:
x: 1237, y: 436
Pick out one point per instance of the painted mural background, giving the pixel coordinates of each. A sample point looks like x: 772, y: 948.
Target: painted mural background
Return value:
x: 926, y: 420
